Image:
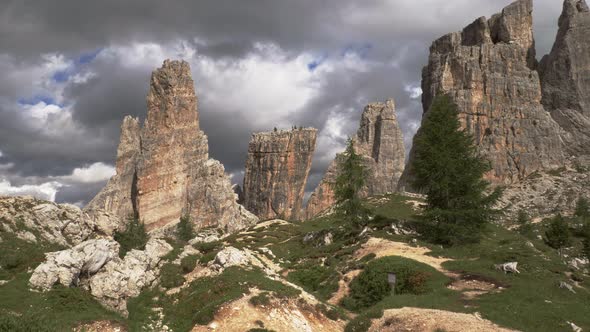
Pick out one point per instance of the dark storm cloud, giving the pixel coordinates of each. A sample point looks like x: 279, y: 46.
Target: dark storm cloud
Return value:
x: 391, y: 36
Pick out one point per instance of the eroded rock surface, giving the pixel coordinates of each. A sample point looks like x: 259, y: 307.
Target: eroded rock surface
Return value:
x: 380, y: 143
x: 65, y: 267
x: 488, y: 70
x: 32, y: 219
x: 277, y: 168
x: 565, y: 74
x: 121, y: 279
x: 163, y: 168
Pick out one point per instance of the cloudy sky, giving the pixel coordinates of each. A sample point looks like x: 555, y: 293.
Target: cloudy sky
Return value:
x: 71, y: 70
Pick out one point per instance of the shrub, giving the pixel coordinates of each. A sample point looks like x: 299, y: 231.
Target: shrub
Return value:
x: 359, y: 324
x: 189, y: 263
x: 316, y: 278
x: 260, y: 299
x: 133, y: 237
x: 558, y: 235
x: 525, y: 227
x: 586, y: 248
x: 185, y: 230
x: 372, y: 286
x: 171, y: 276
x: 582, y: 209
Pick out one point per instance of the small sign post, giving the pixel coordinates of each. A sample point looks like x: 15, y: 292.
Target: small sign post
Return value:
x: 391, y: 279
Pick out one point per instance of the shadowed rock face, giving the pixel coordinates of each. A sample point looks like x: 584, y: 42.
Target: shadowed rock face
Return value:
x: 565, y: 76
x: 488, y: 70
x: 380, y: 143
x: 277, y: 168
x: 163, y: 169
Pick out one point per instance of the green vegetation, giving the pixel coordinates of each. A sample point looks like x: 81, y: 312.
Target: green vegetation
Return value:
x: 349, y: 182
x: 525, y: 227
x: 57, y: 310
x: 582, y: 209
x: 133, y: 237
x: 372, y: 286
x: 558, y: 235
x: 449, y: 170
x: 17, y: 256
x: 171, y: 275
x: 261, y: 299
x: 189, y: 263
x: 185, y: 230
x: 319, y: 280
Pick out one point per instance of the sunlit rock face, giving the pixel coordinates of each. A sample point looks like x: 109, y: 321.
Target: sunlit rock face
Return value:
x: 163, y: 169
x: 489, y: 71
x: 565, y: 76
x: 380, y: 143
x: 277, y: 168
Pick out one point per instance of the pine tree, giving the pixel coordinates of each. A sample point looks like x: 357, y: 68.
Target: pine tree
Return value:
x: 558, y: 235
x: 449, y: 170
x: 582, y: 209
x: 185, y: 230
x: 348, y: 186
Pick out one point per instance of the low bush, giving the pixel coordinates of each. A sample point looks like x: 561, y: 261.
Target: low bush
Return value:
x: 371, y: 285
x: 185, y: 230
x: 133, y: 237
x: 558, y: 235
x: 171, y: 276
x: 260, y: 299
x: 189, y: 263
x: 359, y: 324
x: 320, y: 280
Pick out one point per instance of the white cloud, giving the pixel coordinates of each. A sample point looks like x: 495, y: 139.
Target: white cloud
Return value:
x: 94, y: 173
x: 41, y: 110
x: 414, y: 91
x: 46, y: 191
x: 1, y: 154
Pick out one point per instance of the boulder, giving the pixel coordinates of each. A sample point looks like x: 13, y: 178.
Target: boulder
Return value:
x: 66, y: 267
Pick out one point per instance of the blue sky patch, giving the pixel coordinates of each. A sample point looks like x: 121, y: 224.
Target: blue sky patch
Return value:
x: 86, y: 58
x: 36, y: 100
x: 360, y: 49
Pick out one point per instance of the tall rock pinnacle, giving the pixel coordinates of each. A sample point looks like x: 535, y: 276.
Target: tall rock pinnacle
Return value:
x: 488, y: 70
x: 276, y: 172
x: 163, y: 169
x: 565, y: 76
x: 380, y: 143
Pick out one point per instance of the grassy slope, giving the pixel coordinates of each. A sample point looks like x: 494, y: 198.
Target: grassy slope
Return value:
x: 532, y: 300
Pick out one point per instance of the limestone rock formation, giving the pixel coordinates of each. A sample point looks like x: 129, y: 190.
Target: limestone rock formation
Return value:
x: 380, y: 143
x: 96, y: 266
x: 35, y: 220
x: 163, y: 169
x: 565, y: 76
x: 121, y: 279
x: 65, y: 267
x: 119, y: 197
x: 277, y: 168
x: 488, y: 70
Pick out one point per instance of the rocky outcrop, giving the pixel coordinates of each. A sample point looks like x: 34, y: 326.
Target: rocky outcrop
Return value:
x: 277, y: 168
x: 35, y: 220
x: 163, y: 168
x: 96, y: 266
x: 488, y: 70
x: 66, y: 267
x: 122, y: 279
x: 565, y: 76
x: 380, y: 143
x: 119, y: 197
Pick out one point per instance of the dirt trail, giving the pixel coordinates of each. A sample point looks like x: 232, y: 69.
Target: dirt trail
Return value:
x: 279, y: 315
x: 428, y: 320
x: 383, y: 247
x: 343, y: 287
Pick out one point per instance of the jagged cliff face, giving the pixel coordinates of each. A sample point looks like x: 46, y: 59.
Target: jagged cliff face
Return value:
x: 380, y: 143
x: 565, y: 74
x: 488, y: 69
x: 277, y: 168
x: 163, y: 169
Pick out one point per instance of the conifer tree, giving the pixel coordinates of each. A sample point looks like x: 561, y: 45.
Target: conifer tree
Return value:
x: 348, y: 186
x: 449, y: 170
x: 582, y: 209
x: 558, y: 235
